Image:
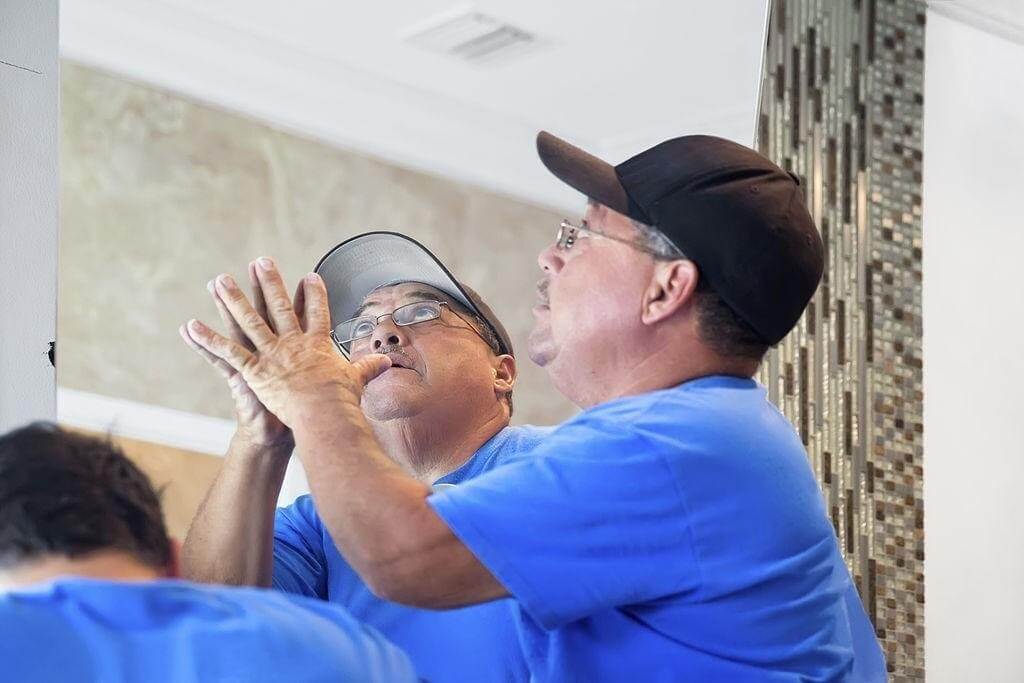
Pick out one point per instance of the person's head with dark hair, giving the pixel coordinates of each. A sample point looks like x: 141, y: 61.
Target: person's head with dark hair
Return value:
x: 84, y: 558
x: 71, y: 504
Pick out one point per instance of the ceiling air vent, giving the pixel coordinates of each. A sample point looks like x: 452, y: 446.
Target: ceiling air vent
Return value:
x: 471, y: 36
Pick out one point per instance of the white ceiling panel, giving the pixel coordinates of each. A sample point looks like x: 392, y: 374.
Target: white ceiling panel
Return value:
x: 612, y: 77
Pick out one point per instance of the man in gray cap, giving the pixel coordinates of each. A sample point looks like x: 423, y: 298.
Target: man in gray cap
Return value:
x: 673, y: 530
x: 442, y: 410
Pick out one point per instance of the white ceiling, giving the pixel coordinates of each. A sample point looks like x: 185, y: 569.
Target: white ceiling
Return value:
x: 612, y: 77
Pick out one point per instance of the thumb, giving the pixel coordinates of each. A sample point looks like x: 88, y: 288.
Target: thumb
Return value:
x: 370, y: 366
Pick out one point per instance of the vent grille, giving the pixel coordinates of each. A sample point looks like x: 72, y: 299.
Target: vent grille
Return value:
x: 473, y: 37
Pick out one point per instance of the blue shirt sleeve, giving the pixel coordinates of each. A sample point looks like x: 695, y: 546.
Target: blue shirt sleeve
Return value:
x: 592, y: 519
x: 300, y: 565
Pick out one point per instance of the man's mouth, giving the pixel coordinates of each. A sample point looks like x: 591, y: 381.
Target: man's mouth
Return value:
x: 399, y: 362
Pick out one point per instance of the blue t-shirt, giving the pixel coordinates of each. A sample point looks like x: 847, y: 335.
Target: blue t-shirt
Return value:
x: 675, y: 535
x: 76, y: 629
x: 476, y: 643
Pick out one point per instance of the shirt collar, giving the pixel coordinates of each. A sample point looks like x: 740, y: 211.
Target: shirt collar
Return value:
x: 479, y: 461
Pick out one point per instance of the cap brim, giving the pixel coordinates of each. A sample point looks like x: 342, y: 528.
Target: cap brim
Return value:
x: 583, y: 171
x: 366, y: 262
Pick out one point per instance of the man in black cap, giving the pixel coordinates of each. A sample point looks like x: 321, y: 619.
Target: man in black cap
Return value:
x: 441, y: 412
x: 673, y: 530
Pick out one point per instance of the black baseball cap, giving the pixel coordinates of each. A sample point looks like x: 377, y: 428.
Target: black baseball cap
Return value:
x: 733, y: 212
x: 372, y: 260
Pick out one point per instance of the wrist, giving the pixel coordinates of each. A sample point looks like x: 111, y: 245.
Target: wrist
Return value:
x: 244, y: 447
x: 326, y: 414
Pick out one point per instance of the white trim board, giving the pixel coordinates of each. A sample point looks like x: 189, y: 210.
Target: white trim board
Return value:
x: 155, y: 424
x: 164, y: 426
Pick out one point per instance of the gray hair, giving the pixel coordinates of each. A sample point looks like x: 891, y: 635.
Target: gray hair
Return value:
x: 721, y: 328
x: 655, y: 241
x: 651, y: 238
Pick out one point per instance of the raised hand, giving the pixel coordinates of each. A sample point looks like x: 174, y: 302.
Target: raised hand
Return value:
x: 285, y: 356
x: 257, y: 427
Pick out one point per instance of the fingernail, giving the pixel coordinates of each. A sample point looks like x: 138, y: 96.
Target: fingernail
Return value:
x: 195, y: 325
x: 311, y: 278
x: 226, y: 281
x: 210, y: 287
x: 265, y: 263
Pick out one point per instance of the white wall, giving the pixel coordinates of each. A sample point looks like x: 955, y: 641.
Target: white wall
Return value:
x: 28, y: 208
x: 973, y: 354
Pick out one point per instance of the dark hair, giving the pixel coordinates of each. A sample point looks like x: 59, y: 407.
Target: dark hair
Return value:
x: 69, y: 494
x: 722, y: 329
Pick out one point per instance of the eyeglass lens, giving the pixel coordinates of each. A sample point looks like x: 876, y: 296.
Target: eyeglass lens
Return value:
x: 362, y: 327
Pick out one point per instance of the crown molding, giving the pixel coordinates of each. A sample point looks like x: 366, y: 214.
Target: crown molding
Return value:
x: 992, y: 24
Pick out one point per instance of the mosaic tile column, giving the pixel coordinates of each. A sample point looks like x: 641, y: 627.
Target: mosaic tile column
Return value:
x: 842, y: 109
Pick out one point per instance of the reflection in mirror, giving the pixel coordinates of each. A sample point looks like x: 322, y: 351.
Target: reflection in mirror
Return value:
x: 197, y: 136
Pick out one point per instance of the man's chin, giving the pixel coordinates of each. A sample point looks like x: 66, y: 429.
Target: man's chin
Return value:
x: 385, y: 403
x: 540, y: 346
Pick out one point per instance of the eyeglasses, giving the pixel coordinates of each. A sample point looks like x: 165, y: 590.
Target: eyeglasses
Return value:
x: 354, y: 329
x: 569, y: 232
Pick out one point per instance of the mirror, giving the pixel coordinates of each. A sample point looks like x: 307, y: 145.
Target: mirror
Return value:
x: 199, y: 134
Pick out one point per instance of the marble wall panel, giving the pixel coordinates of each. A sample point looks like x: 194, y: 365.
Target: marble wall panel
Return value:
x: 159, y: 194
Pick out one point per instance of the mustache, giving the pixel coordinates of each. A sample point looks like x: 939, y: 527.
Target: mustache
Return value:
x: 396, y: 350
x: 390, y: 349
x: 542, y: 290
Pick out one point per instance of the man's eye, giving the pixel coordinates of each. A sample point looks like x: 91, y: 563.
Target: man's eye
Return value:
x: 362, y: 328
x: 422, y: 312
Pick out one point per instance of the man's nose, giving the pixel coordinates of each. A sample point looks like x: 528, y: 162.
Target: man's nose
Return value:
x: 550, y: 259
x: 387, y: 333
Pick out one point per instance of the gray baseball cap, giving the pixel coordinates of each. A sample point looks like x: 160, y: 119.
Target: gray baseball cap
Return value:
x: 361, y: 264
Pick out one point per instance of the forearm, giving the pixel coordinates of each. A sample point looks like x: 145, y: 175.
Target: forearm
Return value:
x: 231, y: 539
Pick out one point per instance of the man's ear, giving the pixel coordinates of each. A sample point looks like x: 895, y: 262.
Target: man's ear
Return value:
x: 173, y: 570
x: 671, y: 289
x: 505, y: 374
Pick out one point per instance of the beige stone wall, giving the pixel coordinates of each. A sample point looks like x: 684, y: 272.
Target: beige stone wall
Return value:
x: 159, y: 194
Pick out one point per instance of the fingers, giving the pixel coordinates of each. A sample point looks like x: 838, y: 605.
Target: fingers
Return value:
x: 369, y: 366
x: 232, y: 353
x: 299, y: 303
x: 229, y: 321
x: 317, y: 312
x: 225, y: 370
x: 252, y: 325
x: 279, y: 305
x: 258, y: 302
